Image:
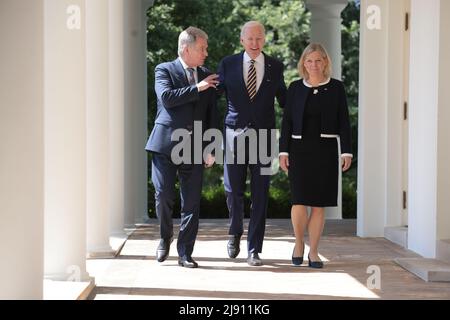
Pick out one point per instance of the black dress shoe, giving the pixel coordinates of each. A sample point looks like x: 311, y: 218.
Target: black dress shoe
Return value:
x: 315, y: 264
x: 187, y: 262
x: 254, y: 259
x: 162, y: 252
x: 233, y: 246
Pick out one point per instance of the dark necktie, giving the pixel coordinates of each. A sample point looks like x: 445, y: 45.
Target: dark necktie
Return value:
x: 191, y: 77
x: 251, y: 80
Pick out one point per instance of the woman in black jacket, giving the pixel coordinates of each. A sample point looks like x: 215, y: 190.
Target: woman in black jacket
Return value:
x: 316, y: 114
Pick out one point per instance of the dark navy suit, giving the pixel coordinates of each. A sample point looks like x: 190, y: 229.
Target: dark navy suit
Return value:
x: 242, y: 113
x: 179, y: 104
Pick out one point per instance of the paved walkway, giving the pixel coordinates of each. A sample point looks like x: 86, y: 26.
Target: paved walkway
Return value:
x: 350, y: 272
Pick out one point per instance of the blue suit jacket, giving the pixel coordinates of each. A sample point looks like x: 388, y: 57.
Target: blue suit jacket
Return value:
x: 241, y: 112
x: 179, y: 105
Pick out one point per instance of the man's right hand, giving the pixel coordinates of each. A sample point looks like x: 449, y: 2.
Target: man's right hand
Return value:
x: 209, y: 82
x: 284, y: 162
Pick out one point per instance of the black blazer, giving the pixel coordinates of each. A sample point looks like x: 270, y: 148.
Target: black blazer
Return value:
x: 334, y: 113
x: 179, y: 104
x: 241, y: 112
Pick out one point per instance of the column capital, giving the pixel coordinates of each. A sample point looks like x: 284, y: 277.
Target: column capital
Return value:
x: 326, y: 8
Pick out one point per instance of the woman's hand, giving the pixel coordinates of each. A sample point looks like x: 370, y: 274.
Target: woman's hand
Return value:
x: 284, y: 162
x: 209, y: 161
x: 346, y: 163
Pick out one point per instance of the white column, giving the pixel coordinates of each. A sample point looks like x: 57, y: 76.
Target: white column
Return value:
x: 429, y: 151
x: 116, y: 117
x: 135, y: 70
x: 443, y: 147
x: 326, y: 29
x: 65, y: 140
x: 372, y: 116
x: 97, y: 117
x: 21, y: 149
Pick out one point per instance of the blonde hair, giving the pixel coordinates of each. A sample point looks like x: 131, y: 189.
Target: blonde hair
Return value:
x: 313, y: 47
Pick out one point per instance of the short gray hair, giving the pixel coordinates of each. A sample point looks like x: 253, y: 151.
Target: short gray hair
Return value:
x: 188, y: 37
x: 252, y: 24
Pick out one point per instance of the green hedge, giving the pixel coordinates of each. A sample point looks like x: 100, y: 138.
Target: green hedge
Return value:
x: 213, y: 203
x: 349, y: 194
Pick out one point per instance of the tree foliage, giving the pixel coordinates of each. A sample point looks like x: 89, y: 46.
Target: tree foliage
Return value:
x: 287, y: 26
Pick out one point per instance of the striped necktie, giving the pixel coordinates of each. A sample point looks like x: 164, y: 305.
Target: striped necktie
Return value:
x: 191, y: 77
x: 251, y: 80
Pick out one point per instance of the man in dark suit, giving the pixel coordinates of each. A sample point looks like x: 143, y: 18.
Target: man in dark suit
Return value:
x: 251, y: 80
x: 185, y: 93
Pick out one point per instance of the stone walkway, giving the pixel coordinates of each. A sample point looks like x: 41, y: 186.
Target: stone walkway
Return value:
x: 351, y: 268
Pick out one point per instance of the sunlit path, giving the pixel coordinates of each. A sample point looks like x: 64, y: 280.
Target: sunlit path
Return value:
x: 135, y: 274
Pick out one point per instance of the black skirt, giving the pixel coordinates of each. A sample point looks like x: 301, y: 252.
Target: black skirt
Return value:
x: 313, y: 172
x: 313, y: 162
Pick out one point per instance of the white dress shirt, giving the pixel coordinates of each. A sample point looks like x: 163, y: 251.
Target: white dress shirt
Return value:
x: 259, y: 67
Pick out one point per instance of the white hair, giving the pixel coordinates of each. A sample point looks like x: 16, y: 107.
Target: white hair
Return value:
x: 188, y: 37
x: 252, y: 24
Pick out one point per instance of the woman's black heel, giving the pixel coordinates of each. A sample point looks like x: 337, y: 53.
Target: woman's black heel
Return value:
x: 297, y: 261
x: 315, y: 264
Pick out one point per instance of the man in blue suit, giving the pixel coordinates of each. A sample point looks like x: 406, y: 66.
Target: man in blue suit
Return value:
x: 251, y: 80
x: 185, y: 93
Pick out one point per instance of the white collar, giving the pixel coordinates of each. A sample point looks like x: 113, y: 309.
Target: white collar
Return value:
x: 185, y: 66
x: 320, y: 84
x: 259, y: 59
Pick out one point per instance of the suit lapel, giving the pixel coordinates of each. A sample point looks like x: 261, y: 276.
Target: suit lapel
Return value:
x: 240, y: 75
x: 180, y: 73
x: 201, y: 74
